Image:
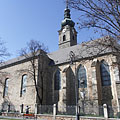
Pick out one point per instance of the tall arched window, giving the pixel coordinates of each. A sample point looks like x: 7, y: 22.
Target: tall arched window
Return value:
x: 23, y: 85
x: 82, y: 79
x: 105, y: 74
x: 5, y: 93
x: 57, y: 80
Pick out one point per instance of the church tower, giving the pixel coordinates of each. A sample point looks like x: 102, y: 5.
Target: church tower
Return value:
x: 67, y: 33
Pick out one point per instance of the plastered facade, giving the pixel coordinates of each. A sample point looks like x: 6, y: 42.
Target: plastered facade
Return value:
x: 14, y: 74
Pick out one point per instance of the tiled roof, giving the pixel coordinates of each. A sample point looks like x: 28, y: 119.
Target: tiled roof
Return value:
x: 81, y: 51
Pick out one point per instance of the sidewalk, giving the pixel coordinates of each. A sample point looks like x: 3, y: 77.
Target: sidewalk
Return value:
x: 17, y: 118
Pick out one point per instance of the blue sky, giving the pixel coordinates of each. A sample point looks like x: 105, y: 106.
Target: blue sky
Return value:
x: 23, y: 20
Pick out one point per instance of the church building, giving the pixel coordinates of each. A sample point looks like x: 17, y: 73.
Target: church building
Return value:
x: 86, y: 75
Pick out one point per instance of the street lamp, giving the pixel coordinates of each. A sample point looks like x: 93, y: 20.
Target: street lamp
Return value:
x: 72, y: 60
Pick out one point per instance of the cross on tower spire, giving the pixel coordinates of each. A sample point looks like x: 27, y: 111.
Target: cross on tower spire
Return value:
x: 67, y: 11
x: 66, y: 4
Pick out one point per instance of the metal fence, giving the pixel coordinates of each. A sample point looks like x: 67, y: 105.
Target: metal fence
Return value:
x: 7, y: 108
x: 70, y: 110
x: 14, y: 109
x: 86, y: 111
x: 66, y: 110
x: 45, y: 109
x: 112, y: 112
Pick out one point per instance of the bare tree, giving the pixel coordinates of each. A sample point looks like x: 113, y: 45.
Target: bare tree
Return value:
x: 3, y: 55
x: 3, y: 51
x: 104, y: 17
x: 99, y: 14
x: 35, y: 51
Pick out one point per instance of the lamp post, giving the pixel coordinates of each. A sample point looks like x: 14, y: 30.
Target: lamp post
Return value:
x: 72, y: 61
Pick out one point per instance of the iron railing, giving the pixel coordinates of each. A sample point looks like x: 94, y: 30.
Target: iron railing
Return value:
x: 113, y: 112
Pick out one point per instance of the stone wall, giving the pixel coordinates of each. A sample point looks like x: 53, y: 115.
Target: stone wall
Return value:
x: 94, y: 93
x: 15, y: 72
x: 45, y: 76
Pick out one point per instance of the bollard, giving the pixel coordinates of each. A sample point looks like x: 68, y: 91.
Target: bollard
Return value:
x: 22, y: 106
x: 9, y: 108
x: 105, y: 111
x: 54, y: 110
x: 36, y: 109
x: 78, y: 110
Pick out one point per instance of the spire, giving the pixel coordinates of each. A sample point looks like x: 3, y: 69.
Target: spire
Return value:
x: 66, y: 4
x: 67, y: 33
x: 67, y: 11
x: 67, y: 19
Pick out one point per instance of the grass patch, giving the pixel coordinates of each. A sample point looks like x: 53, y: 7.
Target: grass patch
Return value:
x: 10, y: 119
x: 14, y: 119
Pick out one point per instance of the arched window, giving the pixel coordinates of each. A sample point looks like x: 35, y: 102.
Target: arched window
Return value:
x: 105, y: 74
x: 5, y: 93
x: 57, y: 80
x: 82, y: 79
x: 23, y: 85
x: 64, y: 38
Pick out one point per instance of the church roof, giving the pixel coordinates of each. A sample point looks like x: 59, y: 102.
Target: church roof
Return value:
x: 82, y: 51
x: 18, y: 60
x: 86, y: 50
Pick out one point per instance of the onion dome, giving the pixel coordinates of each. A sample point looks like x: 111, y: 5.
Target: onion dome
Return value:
x: 67, y: 19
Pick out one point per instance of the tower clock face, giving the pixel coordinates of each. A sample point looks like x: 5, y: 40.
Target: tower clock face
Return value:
x: 64, y: 30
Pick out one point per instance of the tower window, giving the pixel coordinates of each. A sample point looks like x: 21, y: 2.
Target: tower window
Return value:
x: 64, y: 38
x: 23, y: 85
x: 73, y: 37
x: 105, y: 73
x: 5, y: 93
